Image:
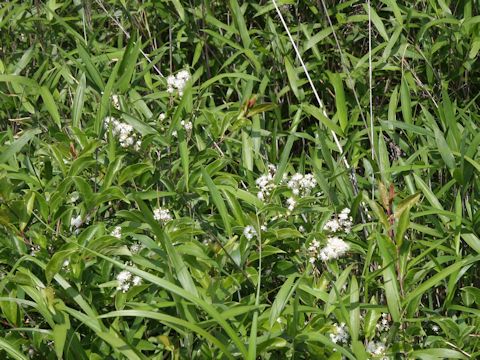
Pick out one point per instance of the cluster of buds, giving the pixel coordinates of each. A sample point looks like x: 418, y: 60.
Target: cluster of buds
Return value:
x: 343, y: 222
x: 125, y: 133
x: 178, y: 82
x: 162, y: 215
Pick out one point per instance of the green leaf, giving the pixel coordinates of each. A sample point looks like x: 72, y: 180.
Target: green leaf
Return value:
x: 406, y: 101
x: 57, y: 260
x: 11, y: 350
x: 437, y: 354
x: 283, y: 295
x: 176, y: 260
x: 184, y: 156
x: 292, y: 77
x: 60, y: 331
x: 473, y: 241
x: 355, y: 310
x: 340, y: 100
x: 240, y: 23
x: 128, y: 63
x: 78, y: 102
x: 186, y: 294
x: 90, y: 68
x: 377, y: 22
x: 18, y: 144
x: 437, y: 278
x: 106, y: 100
x: 50, y: 105
x: 406, y: 204
x: 318, y: 114
x: 218, y: 201
x: 172, y: 322
x: 444, y: 149
x: 133, y: 171
x: 390, y: 282
x: 179, y: 8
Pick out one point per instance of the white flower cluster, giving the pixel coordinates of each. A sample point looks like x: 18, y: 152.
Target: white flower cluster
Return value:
x: 162, y: 215
x: 265, y: 183
x: 313, y: 250
x: 135, y: 248
x: 435, y: 328
x: 249, y: 232
x: 177, y: 82
x: 35, y: 249
x: 291, y: 203
x: 187, y: 125
x: 76, y: 221
x: 117, y: 232
x: 383, y: 325
x: 126, y: 280
x: 126, y: 135
x: 116, y: 102
x: 342, y: 222
x: 339, y: 334
x: 335, y: 248
x: 302, y: 185
x: 377, y: 349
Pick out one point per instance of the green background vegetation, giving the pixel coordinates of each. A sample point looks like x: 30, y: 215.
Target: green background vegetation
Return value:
x: 207, y: 291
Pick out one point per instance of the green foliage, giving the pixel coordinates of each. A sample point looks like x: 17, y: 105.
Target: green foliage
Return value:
x: 171, y: 187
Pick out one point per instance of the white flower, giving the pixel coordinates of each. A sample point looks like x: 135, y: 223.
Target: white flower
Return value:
x: 332, y: 225
x: 313, y: 251
x: 162, y: 116
x: 117, y: 232
x: 435, y: 328
x: 249, y: 232
x: 339, y: 334
x: 126, y: 280
x: 301, y: 185
x: 116, y: 102
x: 178, y: 82
x: 171, y: 80
x: 138, y: 145
x: 66, y: 263
x: 124, y: 276
x: 314, y: 246
x: 376, y: 348
x: 76, y: 222
x: 183, y: 75
x: 135, y: 248
x: 343, y: 222
x: 291, y: 203
x: 335, y: 248
x: 34, y: 249
x: 263, y: 228
x: 383, y: 325
x: 265, y: 183
x: 187, y: 125
x: 301, y: 228
x: 344, y: 214
x: 125, y: 133
x: 162, y: 215
x: 261, y: 195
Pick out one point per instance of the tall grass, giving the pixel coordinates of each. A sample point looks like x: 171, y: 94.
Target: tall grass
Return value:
x: 172, y: 176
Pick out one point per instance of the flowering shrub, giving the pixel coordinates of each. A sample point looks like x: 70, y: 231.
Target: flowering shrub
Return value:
x: 174, y: 185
